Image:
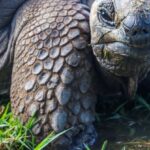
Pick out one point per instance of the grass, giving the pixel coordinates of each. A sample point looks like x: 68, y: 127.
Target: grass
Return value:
x: 50, y: 138
x: 14, y: 135
x: 104, y: 146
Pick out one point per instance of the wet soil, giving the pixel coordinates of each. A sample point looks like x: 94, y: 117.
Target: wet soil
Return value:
x: 124, y: 135
x: 124, y: 128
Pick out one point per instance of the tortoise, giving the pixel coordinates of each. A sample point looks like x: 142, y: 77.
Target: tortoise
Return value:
x: 54, y: 61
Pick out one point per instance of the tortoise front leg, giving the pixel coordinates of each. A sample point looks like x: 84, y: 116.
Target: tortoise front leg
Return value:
x: 52, y: 73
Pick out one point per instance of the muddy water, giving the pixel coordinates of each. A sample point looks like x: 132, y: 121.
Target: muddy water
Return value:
x: 125, y: 125
x: 124, y: 134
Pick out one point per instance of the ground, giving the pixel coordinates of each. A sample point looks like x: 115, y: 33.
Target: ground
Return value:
x: 123, y: 127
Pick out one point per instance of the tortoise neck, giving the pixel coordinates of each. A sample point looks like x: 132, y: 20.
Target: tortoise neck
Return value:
x: 126, y: 86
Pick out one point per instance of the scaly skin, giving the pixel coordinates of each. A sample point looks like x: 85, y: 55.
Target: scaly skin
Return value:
x: 120, y: 35
x: 53, y: 70
x: 52, y: 75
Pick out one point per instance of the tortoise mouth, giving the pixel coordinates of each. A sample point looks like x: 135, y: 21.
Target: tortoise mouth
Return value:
x: 141, y: 52
x: 122, y: 59
x: 135, y: 51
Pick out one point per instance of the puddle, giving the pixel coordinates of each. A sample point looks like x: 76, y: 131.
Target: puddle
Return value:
x: 124, y: 133
x: 121, y: 135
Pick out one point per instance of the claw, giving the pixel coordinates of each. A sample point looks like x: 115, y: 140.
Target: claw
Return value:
x: 87, y: 136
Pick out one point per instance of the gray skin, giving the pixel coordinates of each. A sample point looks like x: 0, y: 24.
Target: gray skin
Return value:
x: 120, y: 36
x: 53, y: 67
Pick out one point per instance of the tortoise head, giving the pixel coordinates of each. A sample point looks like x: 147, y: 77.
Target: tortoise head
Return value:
x: 120, y: 36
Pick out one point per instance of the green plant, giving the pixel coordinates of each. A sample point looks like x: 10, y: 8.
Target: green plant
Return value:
x: 143, y: 102
x: 50, y: 138
x: 14, y: 135
x: 87, y: 147
x: 104, y: 146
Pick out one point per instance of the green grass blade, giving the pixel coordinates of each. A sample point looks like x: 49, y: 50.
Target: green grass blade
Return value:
x: 87, y: 147
x: 120, y: 107
x: 5, y: 113
x: 104, y: 145
x: 24, y: 144
x: 50, y: 138
x: 143, y: 102
x: 124, y: 148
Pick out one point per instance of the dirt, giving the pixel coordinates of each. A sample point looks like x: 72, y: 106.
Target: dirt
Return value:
x: 123, y: 134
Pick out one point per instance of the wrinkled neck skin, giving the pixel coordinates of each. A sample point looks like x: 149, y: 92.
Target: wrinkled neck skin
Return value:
x: 126, y: 85
x: 127, y: 71
x: 120, y: 37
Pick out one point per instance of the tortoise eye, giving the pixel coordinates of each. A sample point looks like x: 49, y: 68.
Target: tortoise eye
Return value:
x: 106, y: 16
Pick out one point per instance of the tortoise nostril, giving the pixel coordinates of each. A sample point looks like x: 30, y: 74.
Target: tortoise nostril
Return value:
x: 145, y: 31
x: 126, y: 30
x: 133, y: 25
x: 134, y: 33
